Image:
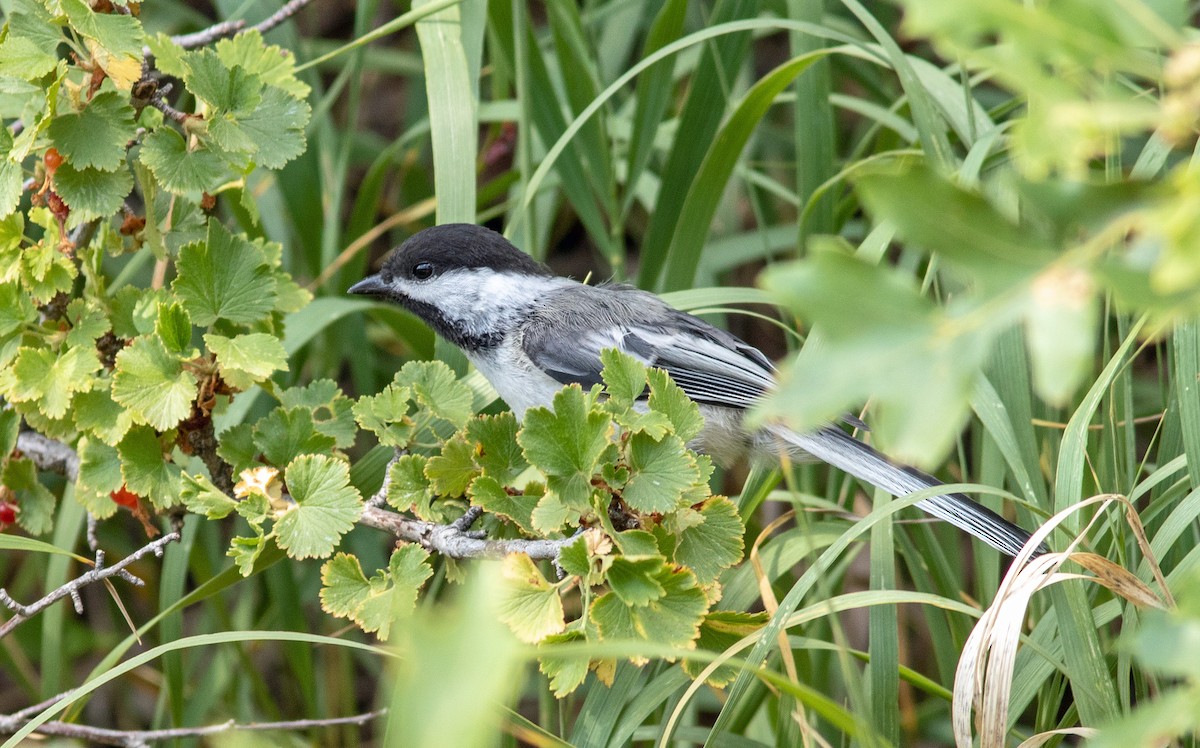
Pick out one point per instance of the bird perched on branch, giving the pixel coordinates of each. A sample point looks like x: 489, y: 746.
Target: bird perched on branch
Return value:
x: 530, y: 332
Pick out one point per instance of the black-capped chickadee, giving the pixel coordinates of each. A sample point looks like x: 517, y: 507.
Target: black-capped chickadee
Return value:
x: 530, y: 332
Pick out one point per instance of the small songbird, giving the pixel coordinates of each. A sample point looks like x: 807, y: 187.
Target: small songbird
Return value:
x: 531, y: 332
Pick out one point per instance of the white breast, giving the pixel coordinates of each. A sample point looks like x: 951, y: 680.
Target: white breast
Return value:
x: 518, y: 382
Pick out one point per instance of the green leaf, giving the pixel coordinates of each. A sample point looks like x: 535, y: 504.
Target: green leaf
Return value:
x: 275, y: 65
x: 11, y: 176
x: 174, y: 328
x: 326, y: 508
x: 565, y: 673
x: 146, y: 470
x: 286, y: 433
x: 434, y: 385
x: 488, y: 493
x: 16, y: 310
x: 113, y: 39
x: 152, y: 383
x: 637, y: 543
x: 720, y: 630
x: 99, y: 466
x: 182, y: 170
x: 453, y: 469
x: 668, y: 398
x: 531, y: 606
x: 965, y: 229
x: 407, y: 484
x: 659, y: 473
x: 236, y: 446
x: 23, y: 58
x: 551, y: 514
x: 168, y: 56
x: 99, y: 475
x: 225, y: 89
x: 497, y: 451
x: 332, y: 411
x: 713, y: 545
x: 274, y: 130
x: 92, y: 193
x: 10, y: 429
x: 624, y: 377
x: 566, y: 443
x: 575, y: 559
x: 45, y: 271
x: 96, y: 135
x: 200, y: 496
x: 35, y: 502
x: 247, y: 359
x: 39, y: 375
x: 374, y: 604
x: 245, y: 551
x: 386, y: 415
x: 881, y: 340
x: 225, y: 277
x: 88, y: 322
x: 98, y: 413
x: 635, y: 580
x: 1060, y: 324
x: 671, y: 620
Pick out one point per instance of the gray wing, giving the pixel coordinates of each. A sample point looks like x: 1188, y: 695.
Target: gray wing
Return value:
x: 564, y: 338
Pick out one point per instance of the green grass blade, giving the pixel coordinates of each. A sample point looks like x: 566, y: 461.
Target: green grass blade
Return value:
x: 700, y: 204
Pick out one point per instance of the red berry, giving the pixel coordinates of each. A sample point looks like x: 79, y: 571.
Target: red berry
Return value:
x: 53, y: 160
x: 8, y: 513
x: 125, y: 497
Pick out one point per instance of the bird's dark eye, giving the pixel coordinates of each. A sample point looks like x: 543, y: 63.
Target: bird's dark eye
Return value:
x: 422, y: 270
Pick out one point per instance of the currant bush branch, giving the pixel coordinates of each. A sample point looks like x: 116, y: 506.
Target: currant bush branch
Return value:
x: 139, y: 738
x: 455, y: 540
x: 22, y: 613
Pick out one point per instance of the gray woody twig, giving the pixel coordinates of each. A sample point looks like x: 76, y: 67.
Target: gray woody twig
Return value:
x: 139, y: 738
x: 454, y: 540
x: 22, y: 613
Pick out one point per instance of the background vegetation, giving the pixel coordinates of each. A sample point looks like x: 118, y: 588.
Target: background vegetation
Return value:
x: 981, y: 215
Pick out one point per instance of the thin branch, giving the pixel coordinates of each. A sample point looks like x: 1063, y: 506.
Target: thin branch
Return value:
x: 454, y: 540
x: 451, y: 541
x: 227, y: 29
x: 48, y: 454
x: 71, y: 589
x: 134, y: 738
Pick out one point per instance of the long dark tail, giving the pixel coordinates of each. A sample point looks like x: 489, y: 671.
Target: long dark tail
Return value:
x: 836, y: 447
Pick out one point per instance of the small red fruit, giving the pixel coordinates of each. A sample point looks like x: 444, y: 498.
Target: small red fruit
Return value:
x: 124, y: 497
x: 53, y: 160
x: 8, y: 513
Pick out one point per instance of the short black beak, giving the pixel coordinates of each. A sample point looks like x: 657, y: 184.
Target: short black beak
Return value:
x: 372, y: 285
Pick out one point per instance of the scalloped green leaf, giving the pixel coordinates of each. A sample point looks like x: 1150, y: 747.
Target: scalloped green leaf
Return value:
x: 96, y: 135
x: 659, y: 473
x: 531, y: 606
x: 200, y: 496
x: 286, y: 433
x: 566, y: 443
x: 436, y: 388
x: 90, y: 192
x: 497, y: 451
x: 152, y: 383
x: 387, y: 415
x: 489, y: 494
x: 453, y: 469
x: 39, y: 375
x: 225, y: 277
x: 35, y: 502
x: 146, y: 469
x: 332, y: 411
x: 180, y: 169
x: 245, y: 360
x: 326, y: 507
x: 376, y: 603
x: 710, y: 547
x: 672, y: 620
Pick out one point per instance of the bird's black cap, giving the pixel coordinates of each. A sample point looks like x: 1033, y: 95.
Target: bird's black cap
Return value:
x: 458, y: 246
